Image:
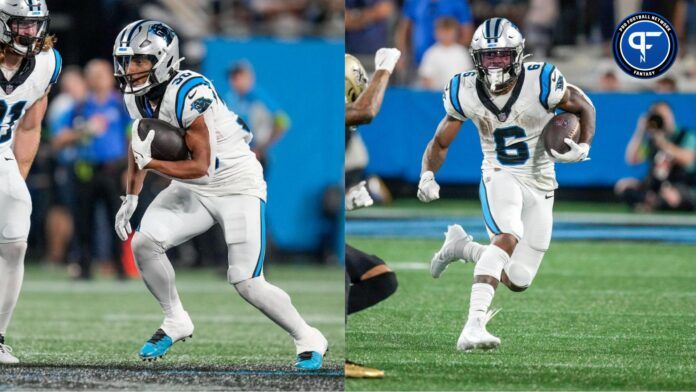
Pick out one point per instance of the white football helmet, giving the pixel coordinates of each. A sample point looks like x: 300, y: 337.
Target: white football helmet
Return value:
x: 17, y: 17
x: 356, y: 78
x: 155, y: 41
x: 497, y: 48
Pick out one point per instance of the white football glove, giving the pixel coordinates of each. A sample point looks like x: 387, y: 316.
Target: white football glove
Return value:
x: 142, y: 148
x: 386, y: 59
x: 358, y: 197
x: 123, y: 226
x: 577, y: 153
x: 428, y: 189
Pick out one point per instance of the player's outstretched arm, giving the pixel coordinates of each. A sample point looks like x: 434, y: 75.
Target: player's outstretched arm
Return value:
x: 28, y: 135
x: 198, y: 142
x: 434, y: 156
x: 366, y: 107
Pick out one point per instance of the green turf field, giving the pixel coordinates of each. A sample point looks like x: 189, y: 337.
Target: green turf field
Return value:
x: 599, y: 316
x: 102, y: 324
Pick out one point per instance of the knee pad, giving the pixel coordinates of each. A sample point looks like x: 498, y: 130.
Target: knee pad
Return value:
x: 518, y: 276
x: 144, y: 247
x: 13, y: 251
x: 523, y: 265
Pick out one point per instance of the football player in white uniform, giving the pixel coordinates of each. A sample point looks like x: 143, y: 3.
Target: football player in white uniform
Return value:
x: 28, y: 67
x: 510, y: 102
x: 221, y: 183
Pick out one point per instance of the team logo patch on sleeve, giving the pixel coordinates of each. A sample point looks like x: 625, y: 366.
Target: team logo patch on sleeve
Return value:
x: 201, y: 104
x: 645, y: 45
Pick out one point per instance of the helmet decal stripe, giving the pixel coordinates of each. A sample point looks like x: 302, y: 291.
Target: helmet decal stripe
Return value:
x: 133, y: 31
x: 454, y: 94
x: 181, y: 96
x: 545, y: 83
x: 496, y: 32
x: 487, y: 34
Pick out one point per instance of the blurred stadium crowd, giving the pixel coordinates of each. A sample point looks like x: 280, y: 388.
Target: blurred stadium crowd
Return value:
x: 78, y: 175
x: 573, y: 34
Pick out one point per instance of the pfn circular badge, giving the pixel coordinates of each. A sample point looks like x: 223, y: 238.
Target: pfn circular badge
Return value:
x: 645, y: 45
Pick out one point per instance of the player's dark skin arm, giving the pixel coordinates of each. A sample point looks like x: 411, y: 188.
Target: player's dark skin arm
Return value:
x: 366, y: 107
x: 436, y: 151
x: 575, y: 102
x: 198, y: 142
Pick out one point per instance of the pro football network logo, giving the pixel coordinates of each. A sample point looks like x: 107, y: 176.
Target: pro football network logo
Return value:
x: 645, y: 45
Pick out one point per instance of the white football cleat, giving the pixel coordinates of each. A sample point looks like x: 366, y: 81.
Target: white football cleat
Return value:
x: 6, y: 357
x: 445, y: 255
x: 178, y: 328
x: 474, y: 335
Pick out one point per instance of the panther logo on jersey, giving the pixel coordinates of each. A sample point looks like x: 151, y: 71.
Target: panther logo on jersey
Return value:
x: 201, y: 104
x: 163, y: 31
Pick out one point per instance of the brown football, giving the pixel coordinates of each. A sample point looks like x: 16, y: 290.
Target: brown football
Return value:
x: 564, y: 125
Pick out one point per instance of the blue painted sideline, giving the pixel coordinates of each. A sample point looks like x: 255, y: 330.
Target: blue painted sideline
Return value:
x: 433, y: 228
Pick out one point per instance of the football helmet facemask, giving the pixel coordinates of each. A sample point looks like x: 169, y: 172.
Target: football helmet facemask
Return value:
x: 24, y: 26
x: 497, y: 49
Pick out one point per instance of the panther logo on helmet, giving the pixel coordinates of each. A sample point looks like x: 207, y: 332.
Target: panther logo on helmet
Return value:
x: 163, y: 31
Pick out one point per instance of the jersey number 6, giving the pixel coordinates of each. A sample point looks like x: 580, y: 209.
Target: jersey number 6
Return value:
x: 515, y: 153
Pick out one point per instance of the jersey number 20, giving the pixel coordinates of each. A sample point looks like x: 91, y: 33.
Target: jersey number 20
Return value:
x: 515, y: 153
x: 15, y: 112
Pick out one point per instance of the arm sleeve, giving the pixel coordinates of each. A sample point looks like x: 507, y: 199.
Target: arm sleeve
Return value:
x: 553, y: 86
x: 57, y: 67
x: 450, y: 98
x: 192, y: 100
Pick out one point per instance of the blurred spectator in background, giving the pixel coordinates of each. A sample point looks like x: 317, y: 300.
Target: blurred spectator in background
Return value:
x: 539, y: 24
x: 266, y: 120
x: 59, y: 219
x: 98, y: 128
x: 367, y: 25
x: 666, y: 85
x: 444, y: 59
x: 608, y: 81
x: 670, y: 152
x: 416, y: 29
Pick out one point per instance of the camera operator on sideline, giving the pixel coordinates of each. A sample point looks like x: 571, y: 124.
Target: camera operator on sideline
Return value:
x: 670, y: 151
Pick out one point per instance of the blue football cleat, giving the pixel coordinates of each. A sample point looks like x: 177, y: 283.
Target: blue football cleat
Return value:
x: 156, y: 347
x: 309, y: 360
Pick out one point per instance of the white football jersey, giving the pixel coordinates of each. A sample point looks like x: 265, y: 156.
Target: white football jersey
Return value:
x: 510, y: 125
x: 234, y: 167
x: 29, y: 84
